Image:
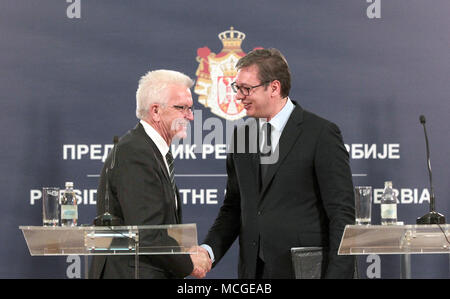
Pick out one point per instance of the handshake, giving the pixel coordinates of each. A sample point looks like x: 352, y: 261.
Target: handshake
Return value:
x: 201, y: 260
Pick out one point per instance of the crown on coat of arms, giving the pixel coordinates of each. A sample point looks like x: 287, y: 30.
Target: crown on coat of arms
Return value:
x: 228, y: 69
x: 231, y: 38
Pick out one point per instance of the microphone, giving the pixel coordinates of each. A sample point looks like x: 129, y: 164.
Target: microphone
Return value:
x: 432, y: 217
x: 107, y: 219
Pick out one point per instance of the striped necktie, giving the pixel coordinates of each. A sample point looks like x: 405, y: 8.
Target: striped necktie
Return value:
x: 169, y: 159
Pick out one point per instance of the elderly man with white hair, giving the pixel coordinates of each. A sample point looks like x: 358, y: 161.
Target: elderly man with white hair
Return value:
x: 141, y: 185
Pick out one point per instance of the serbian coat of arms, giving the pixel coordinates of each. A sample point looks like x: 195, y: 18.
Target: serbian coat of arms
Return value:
x: 216, y: 72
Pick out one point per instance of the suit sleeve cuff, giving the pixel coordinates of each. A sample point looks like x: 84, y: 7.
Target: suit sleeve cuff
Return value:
x: 210, y: 252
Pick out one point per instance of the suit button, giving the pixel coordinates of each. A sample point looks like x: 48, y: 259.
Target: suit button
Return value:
x: 259, y: 213
x: 254, y: 243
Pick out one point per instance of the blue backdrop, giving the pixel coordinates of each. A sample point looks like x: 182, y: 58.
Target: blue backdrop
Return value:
x: 69, y: 72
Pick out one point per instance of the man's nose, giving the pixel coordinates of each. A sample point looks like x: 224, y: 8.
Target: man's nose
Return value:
x: 239, y: 96
x: 190, y: 115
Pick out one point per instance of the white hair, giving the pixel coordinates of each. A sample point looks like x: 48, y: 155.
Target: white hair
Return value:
x: 153, y: 89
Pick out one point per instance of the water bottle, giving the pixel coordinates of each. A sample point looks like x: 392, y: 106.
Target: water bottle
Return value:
x: 388, y: 205
x: 69, y: 208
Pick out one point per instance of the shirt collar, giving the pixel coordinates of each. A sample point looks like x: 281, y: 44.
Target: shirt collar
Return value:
x: 280, y: 120
x: 155, y: 137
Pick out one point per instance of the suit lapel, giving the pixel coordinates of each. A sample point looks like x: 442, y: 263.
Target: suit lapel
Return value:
x: 176, y: 196
x: 245, y: 151
x: 289, y: 136
x: 159, y: 158
x: 162, y: 167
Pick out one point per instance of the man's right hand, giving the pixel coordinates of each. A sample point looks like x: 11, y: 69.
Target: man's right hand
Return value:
x: 201, y: 260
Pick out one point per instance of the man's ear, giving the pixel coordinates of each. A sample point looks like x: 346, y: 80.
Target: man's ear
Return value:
x: 275, y: 88
x: 155, y: 112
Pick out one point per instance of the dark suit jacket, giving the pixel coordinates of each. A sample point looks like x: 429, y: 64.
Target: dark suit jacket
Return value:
x: 140, y: 194
x: 305, y: 200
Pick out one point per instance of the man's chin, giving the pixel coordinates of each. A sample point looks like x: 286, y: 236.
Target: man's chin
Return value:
x: 179, y: 128
x: 181, y: 134
x: 250, y: 112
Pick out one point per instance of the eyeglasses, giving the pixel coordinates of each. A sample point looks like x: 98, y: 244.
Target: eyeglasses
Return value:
x: 184, y: 109
x: 245, y: 90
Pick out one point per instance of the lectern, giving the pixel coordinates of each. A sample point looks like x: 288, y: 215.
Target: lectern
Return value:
x: 112, y: 240
x: 396, y: 239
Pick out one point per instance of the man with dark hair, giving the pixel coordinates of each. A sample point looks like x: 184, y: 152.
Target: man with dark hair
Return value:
x: 304, y: 198
x: 272, y: 66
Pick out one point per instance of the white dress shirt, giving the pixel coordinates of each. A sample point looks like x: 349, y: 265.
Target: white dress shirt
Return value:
x: 160, y: 144
x: 278, y: 122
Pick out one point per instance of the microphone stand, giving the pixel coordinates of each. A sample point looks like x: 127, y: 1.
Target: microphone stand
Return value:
x: 107, y: 219
x: 432, y: 217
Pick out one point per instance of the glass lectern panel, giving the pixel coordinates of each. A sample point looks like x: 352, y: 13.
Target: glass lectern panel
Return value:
x: 395, y: 239
x: 114, y: 240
